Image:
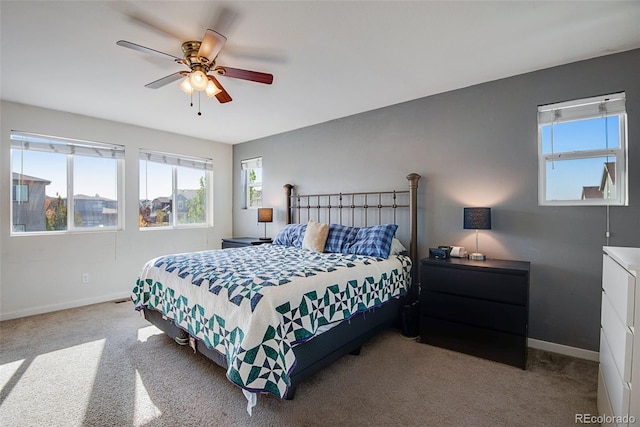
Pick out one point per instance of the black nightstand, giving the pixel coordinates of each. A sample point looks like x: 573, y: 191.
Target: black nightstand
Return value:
x: 476, y: 307
x: 238, y: 242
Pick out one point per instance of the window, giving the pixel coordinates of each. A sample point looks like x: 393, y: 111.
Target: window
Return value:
x: 20, y: 193
x: 47, y: 171
x: 168, y: 180
x: 252, y: 183
x: 582, y: 152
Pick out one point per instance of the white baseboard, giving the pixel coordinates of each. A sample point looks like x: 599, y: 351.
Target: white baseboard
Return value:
x: 62, y: 306
x: 564, y: 349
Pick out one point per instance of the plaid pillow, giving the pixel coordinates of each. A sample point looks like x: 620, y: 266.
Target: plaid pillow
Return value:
x: 291, y: 235
x: 374, y: 241
x: 340, y: 238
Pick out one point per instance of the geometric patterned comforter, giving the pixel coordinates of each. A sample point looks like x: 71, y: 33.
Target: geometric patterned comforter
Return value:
x: 252, y: 304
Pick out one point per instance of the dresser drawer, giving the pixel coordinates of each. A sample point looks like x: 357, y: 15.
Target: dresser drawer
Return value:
x: 620, y: 288
x: 619, y: 339
x: 495, y: 286
x: 618, y: 390
x: 482, y: 313
x: 604, y: 401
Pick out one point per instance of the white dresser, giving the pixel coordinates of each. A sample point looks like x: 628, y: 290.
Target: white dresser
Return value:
x: 619, y: 374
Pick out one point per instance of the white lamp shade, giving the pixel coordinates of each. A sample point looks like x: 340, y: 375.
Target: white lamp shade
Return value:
x: 198, y: 80
x: 212, y: 89
x: 185, y: 86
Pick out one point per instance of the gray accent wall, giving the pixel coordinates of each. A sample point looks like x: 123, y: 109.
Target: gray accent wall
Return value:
x: 475, y: 146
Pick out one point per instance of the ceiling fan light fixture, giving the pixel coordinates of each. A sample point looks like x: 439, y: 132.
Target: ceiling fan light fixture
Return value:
x: 200, y: 58
x: 185, y: 86
x: 212, y: 89
x: 198, y: 80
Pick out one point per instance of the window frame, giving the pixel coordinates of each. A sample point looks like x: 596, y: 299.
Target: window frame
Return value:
x: 70, y: 148
x: 176, y: 161
x: 245, y: 166
x: 582, y: 110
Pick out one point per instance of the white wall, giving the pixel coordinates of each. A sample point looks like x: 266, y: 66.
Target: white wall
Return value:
x: 43, y: 273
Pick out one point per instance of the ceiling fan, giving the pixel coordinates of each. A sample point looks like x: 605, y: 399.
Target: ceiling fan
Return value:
x: 200, y: 58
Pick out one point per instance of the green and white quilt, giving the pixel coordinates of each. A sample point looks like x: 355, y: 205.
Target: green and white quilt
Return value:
x: 253, y: 304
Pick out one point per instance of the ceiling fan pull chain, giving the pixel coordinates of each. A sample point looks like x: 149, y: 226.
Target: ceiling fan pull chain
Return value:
x: 191, y: 102
x: 199, y: 113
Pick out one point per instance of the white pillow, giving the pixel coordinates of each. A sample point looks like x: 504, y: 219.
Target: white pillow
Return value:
x: 315, y: 236
x: 396, y: 247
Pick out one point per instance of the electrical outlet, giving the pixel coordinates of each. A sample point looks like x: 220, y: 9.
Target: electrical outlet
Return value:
x: 85, y: 277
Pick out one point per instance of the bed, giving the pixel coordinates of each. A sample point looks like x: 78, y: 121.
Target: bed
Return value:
x: 273, y: 314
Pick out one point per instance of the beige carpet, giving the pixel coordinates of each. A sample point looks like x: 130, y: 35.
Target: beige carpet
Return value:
x: 104, y: 365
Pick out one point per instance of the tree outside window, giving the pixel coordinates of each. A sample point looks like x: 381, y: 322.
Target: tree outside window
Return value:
x: 61, y: 184
x: 173, y: 190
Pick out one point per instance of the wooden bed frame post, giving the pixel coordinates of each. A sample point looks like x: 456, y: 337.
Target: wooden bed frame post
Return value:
x: 413, y: 211
x: 413, y: 244
x: 287, y: 189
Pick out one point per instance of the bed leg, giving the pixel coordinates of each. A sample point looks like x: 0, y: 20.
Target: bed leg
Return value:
x: 356, y: 352
x: 291, y: 393
x: 182, y: 341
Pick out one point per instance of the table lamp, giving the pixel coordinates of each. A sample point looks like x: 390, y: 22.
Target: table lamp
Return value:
x: 477, y: 219
x: 265, y: 215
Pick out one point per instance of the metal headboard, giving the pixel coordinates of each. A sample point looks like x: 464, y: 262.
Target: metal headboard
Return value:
x: 352, y: 208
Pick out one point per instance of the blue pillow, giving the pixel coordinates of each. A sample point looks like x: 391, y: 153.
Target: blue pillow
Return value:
x: 374, y: 241
x: 291, y: 235
x: 340, y: 238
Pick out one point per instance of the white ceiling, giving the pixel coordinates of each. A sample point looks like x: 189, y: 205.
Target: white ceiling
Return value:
x: 329, y: 59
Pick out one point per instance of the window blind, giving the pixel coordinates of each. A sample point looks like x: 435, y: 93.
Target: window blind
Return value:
x: 251, y: 163
x: 587, y: 108
x: 52, y: 144
x: 177, y: 160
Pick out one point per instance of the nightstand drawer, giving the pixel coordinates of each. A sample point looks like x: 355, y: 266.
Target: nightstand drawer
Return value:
x: 482, y: 313
x: 476, y: 283
x: 494, y: 345
x: 229, y: 245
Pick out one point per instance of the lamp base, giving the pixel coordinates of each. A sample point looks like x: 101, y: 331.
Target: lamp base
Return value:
x: 476, y: 256
x: 264, y: 238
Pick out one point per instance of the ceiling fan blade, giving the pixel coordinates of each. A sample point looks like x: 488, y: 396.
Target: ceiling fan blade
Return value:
x: 222, y: 96
x: 237, y: 73
x: 140, y: 15
x: 144, y: 49
x: 166, y: 80
x: 211, y: 44
x: 226, y: 18
x: 262, y: 54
